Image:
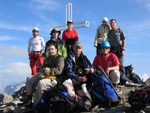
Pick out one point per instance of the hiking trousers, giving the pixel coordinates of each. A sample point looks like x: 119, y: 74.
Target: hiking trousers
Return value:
x: 40, y: 85
x: 35, y: 57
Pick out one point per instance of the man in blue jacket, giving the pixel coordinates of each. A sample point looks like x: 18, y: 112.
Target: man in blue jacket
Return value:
x: 78, y: 67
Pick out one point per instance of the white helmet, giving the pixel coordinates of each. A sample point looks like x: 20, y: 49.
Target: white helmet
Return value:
x: 35, y: 29
x: 105, y: 19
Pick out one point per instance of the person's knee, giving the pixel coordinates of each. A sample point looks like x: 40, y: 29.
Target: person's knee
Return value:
x: 46, y: 84
x: 115, y: 76
x: 32, y: 81
x: 28, y: 80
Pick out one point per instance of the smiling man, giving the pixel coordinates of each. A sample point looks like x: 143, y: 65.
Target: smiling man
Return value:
x: 109, y: 62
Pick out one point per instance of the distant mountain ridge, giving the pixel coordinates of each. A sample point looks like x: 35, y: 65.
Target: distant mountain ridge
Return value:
x: 10, y: 89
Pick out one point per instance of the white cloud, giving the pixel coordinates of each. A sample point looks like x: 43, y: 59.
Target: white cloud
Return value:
x: 137, y: 28
x: 145, y: 3
x: 8, y: 26
x: 145, y: 76
x: 14, y: 72
x: 6, y: 38
x: 45, y: 4
x: 13, y: 51
x: 15, y: 69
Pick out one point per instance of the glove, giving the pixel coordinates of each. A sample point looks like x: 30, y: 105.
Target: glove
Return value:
x: 41, y: 76
x: 47, y: 71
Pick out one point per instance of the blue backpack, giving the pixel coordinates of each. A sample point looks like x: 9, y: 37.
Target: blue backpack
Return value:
x: 104, y: 92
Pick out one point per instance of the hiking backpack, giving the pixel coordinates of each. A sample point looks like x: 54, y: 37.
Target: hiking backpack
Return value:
x: 104, y: 93
x: 56, y: 100
x: 132, y: 76
x: 140, y: 98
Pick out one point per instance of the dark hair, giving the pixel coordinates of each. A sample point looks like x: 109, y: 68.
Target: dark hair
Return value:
x: 52, y: 42
x: 113, y: 20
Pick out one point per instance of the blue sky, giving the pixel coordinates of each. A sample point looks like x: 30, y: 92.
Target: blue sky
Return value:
x: 18, y: 17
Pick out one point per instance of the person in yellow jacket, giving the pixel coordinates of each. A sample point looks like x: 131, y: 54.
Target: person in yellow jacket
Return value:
x: 101, y: 34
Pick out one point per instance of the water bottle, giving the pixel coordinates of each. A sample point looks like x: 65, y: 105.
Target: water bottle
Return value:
x: 84, y: 89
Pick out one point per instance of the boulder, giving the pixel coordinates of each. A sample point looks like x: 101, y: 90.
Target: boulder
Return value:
x: 5, y: 98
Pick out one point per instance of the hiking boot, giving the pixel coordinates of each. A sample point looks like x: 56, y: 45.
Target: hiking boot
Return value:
x: 26, y: 101
x: 87, y: 105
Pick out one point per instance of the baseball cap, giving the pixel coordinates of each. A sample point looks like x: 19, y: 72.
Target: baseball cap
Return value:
x: 105, y: 19
x: 69, y: 21
x: 77, y: 44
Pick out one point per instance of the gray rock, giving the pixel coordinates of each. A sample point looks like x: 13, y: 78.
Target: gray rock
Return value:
x: 5, y: 98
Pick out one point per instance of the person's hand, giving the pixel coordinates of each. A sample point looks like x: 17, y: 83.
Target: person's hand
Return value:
x: 75, y: 97
x: 47, y: 71
x: 82, y: 78
x: 122, y: 53
x: 99, y: 35
x: 120, y: 29
x: 107, y: 71
x: 89, y: 70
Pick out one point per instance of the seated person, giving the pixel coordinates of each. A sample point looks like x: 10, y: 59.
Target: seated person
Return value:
x: 78, y: 69
x: 109, y: 62
x: 48, y: 78
x: 77, y: 65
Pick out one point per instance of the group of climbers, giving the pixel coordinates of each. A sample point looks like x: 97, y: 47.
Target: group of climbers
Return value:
x: 65, y: 56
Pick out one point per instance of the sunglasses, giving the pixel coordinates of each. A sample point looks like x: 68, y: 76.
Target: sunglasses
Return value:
x: 105, y: 48
x: 35, y: 31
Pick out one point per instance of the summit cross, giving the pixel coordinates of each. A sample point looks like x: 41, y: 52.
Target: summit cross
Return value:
x: 76, y: 25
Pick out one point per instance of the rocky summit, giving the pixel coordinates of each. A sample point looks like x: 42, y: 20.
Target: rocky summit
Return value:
x: 8, y: 103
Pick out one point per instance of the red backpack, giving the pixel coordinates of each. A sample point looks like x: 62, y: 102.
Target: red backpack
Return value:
x: 140, y: 98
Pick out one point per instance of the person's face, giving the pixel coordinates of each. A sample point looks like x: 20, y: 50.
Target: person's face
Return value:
x: 70, y: 25
x: 35, y: 33
x: 104, y: 22
x: 105, y: 50
x: 77, y: 50
x: 52, y: 50
x: 55, y: 33
x: 113, y: 24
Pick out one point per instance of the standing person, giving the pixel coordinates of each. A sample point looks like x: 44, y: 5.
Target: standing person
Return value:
x: 109, y: 62
x: 101, y: 34
x: 69, y: 36
x: 36, y: 47
x: 117, y: 41
x: 55, y: 33
x: 51, y: 72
